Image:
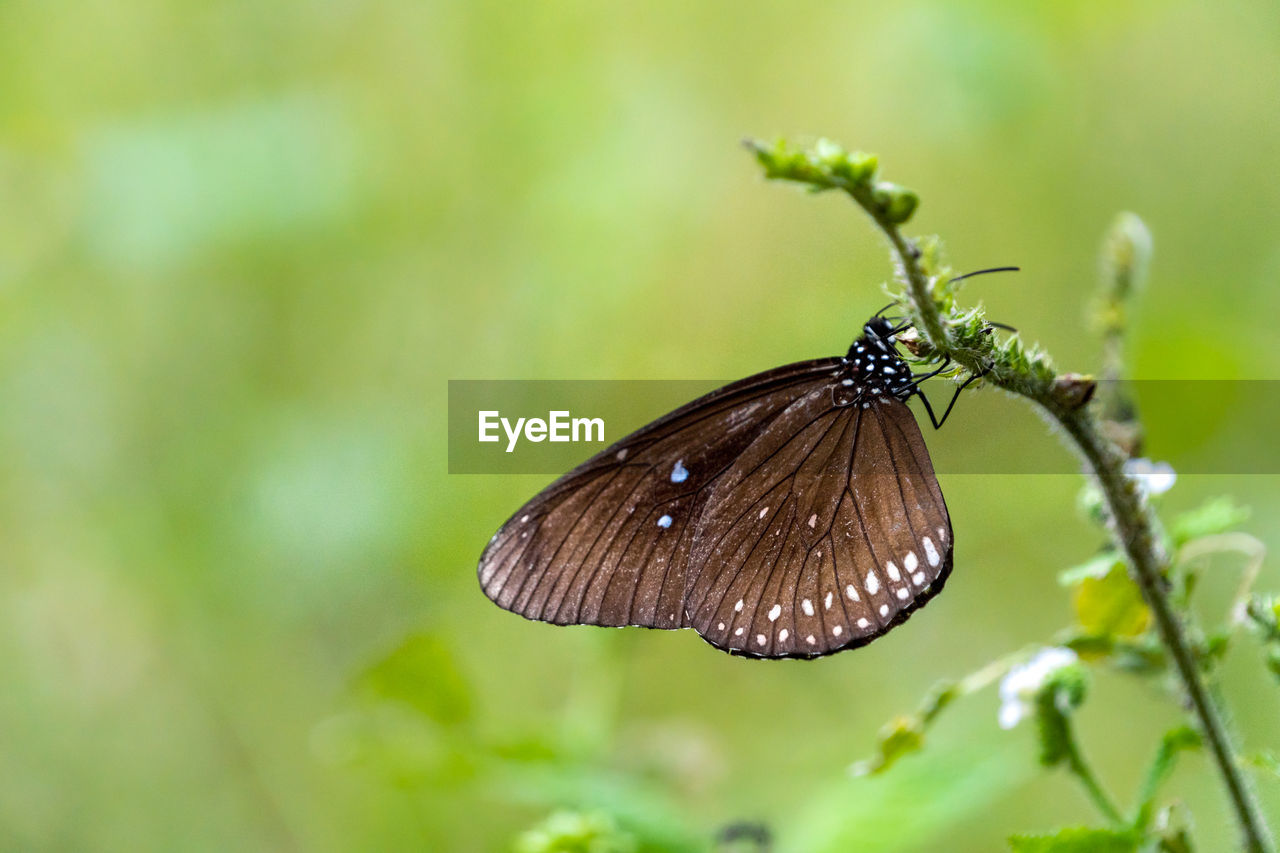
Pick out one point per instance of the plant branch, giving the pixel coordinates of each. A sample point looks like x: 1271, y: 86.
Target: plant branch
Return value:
x: 964, y: 337
x: 1078, y: 766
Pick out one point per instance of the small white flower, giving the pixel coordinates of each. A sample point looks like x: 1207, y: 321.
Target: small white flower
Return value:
x: 1154, y: 478
x: 1021, y: 684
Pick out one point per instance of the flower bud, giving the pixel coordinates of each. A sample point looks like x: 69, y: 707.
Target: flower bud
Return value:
x: 1126, y: 254
x: 898, y: 203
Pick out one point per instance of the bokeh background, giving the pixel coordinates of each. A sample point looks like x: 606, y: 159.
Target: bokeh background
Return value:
x: 244, y: 245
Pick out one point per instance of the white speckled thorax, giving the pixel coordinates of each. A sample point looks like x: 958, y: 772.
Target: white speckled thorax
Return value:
x: 876, y: 366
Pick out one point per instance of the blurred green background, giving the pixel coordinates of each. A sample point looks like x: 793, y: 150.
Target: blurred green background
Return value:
x: 244, y: 245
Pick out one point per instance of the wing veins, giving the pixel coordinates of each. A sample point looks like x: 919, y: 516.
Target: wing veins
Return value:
x: 551, y: 561
x: 741, y: 515
x: 897, y: 480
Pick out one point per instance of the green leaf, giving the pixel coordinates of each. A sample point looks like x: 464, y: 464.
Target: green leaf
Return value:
x: 1111, y: 605
x: 897, y: 738
x: 1142, y: 655
x: 1266, y: 761
x: 1062, y: 693
x: 1077, y: 840
x: 1174, y: 741
x: 1273, y: 660
x: 576, y: 832
x: 1264, y: 613
x: 1095, y: 567
x: 1217, y: 515
x: 422, y: 674
x: 904, y: 735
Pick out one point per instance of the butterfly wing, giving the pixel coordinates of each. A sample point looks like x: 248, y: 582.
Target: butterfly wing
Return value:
x: 828, y: 531
x: 609, y: 542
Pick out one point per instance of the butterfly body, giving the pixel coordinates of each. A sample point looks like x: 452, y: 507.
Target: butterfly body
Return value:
x: 791, y: 514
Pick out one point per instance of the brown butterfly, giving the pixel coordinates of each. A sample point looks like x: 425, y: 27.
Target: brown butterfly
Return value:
x: 792, y: 514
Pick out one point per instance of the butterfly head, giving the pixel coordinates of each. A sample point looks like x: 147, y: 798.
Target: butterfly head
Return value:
x: 879, y: 329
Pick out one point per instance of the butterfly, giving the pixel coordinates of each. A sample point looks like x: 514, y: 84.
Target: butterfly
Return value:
x: 792, y: 514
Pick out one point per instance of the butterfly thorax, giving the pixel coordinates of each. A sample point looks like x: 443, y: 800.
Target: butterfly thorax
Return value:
x: 878, y: 368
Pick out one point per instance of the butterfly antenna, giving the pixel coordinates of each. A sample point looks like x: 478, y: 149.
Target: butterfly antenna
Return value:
x: 984, y: 272
x: 885, y: 308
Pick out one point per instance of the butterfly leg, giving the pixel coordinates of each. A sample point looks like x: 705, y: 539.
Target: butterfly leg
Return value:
x: 937, y: 423
x: 920, y: 377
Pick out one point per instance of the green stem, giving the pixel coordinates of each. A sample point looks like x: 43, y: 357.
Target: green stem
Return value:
x: 1063, y: 398
x: 1077, y: 765
x: 1132, y: 528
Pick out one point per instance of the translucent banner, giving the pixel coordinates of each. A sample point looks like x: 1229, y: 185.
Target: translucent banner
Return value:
x: 549, y: 426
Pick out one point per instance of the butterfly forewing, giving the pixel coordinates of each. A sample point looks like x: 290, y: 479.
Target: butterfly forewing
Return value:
x: 609, y: 543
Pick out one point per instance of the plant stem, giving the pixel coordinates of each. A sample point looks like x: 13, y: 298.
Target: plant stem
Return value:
x: 1132, y: 526
x: 963, y: 338
x: 1077, y: 765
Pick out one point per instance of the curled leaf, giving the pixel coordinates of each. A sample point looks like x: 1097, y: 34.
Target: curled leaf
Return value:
x: 897, y: 738
x: 1111, y: 605
x: 1217, y: 515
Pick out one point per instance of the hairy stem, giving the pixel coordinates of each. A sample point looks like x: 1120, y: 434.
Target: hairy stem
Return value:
x: 963, y: 337
x: 1132, y: 527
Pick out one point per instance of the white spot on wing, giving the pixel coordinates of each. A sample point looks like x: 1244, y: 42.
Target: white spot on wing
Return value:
x: 910, y: 561
x: 930, y: 552
x: 863, y: 623
x: 807, y: 607
x: 811, y: 639
x: 903, y: 592
x: 837, y: 631
x: 764, y: 512
x: 884, y: 610
x: 782, y: 635
x: 761, y: 639
x: 738, y: 632
x: 774, y: 612
x: 737, y: 608
x: 720, y: 627
x: 523, y: 519
x: 813, y: 520
x: 918, y: 578
x: 679, y: 473
x: 873, y: 583
x: 851, y: 592
x: 621, y: 454
x: 827, y: 604
x: 892, y: 571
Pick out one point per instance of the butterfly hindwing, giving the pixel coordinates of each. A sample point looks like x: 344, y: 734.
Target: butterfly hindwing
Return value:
x: 804, y: 546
